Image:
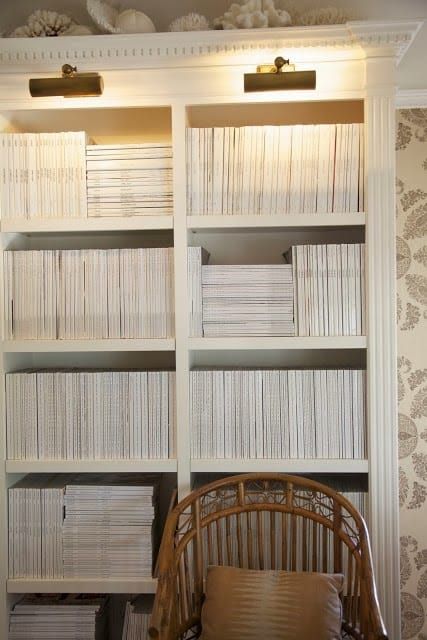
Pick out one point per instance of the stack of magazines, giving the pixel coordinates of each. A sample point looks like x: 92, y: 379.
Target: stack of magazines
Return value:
x: 129, y: 179
x: 82, y: 526
x: 247, y: 300
x: 108, y: 531
x: 60, y: 617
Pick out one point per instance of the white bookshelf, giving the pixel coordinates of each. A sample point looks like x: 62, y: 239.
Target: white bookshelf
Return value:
x: 198, y: 82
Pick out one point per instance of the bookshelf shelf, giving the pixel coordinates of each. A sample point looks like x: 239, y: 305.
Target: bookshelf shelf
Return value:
x: 283, y: 344
x: 125, y: 585
x: 84, y: 225
x: 281, y: 466
x: 91, y: 466
x: 289, y: 221
x: 67, y: 346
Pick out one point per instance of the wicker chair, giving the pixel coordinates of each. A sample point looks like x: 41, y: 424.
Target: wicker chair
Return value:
x: 263, y: 521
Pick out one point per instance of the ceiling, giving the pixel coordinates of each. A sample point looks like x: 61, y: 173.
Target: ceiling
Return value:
x: 412, y: 72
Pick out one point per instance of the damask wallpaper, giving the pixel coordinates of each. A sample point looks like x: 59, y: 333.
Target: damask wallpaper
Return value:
x: 411, y: 150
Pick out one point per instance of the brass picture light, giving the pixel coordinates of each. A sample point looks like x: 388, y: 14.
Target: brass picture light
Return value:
x: 279, y: 76
x: 70, y: 85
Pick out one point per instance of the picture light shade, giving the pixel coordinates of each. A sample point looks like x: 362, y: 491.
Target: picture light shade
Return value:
x: 70, y: 85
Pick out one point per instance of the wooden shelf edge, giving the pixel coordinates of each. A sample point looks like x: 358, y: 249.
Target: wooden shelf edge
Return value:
x: 81, y: 585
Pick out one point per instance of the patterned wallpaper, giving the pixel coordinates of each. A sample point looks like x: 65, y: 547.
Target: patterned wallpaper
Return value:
x: 412, y: 365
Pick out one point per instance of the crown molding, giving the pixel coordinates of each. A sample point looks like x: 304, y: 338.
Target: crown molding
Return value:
x: 393, y: 35
x: 411, y: 98
x: 201, y: 48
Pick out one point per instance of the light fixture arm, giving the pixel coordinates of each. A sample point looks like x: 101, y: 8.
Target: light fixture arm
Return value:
x: 279, y: 63
x: 68, y: 71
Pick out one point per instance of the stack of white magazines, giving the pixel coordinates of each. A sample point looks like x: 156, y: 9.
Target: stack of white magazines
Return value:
x: 59, y: 617
x: 247, y: 300
x: 275, y: 169
x: 129, y: 179
x: 81, y: 526
x: 89, y: 293
x: 329, y: 289
x: 43, y: 175
x: 137, y: 620
x: 108, y: 531
x: 90, y: 415
x: 303, y: 413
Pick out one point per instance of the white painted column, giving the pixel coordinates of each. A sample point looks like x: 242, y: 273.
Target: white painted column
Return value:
x: 381, y: 330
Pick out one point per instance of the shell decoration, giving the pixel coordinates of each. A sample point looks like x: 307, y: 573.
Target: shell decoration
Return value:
x: 110, y: 20
x: 43, y: 23
x: 253, y: 14
x: 190, y: 22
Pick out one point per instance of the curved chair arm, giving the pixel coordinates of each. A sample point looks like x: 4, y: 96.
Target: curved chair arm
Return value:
x: 164, y: 617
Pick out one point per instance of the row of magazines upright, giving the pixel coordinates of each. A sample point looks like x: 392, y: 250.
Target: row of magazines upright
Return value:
x: 129, y: 293
x: 235, y: 413
x: 260, y: 170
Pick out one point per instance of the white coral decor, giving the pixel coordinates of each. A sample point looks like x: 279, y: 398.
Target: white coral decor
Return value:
x: 253, y: 14
x: 190, y: 22
x: 326, y: 15
x: 43, y: 23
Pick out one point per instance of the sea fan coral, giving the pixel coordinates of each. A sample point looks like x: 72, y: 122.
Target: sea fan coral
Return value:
x: 253, y: 14
x: 103, y: 15
x: 326, y: 15
x: 43, y: 23
x: 190, y: 22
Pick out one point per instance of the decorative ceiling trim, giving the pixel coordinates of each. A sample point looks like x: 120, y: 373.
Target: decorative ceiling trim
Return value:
x: 196, y: 48
x: 411, y: 98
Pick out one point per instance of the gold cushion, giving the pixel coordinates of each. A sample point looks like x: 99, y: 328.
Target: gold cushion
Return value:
x: 275, y: 605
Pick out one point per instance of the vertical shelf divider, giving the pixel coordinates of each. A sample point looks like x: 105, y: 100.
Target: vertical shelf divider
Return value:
x: 181, y: 300
x: 4, y: 519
